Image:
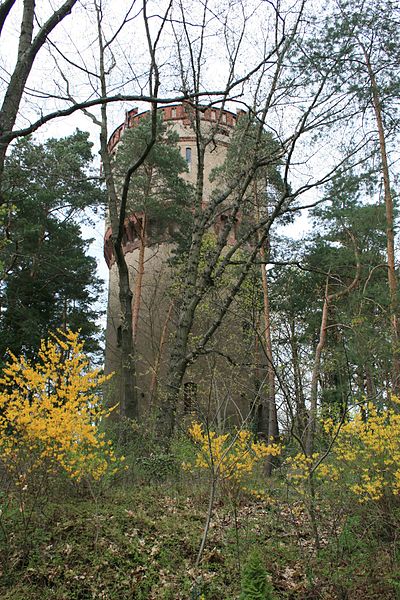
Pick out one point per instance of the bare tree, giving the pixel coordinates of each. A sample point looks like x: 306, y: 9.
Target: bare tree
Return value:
x: 274, y: 84
x: 117, y: 190
x: 28, y: 47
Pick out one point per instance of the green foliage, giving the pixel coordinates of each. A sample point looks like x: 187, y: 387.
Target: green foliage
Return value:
x: 351, y: 221
x: 146, y: 458
x: 347, y: 227
x: 48, y: 280
x: 250, y: 144
x: 351, y: 33
x: 358, y: 554
x: 255, y: 583
x: 157, y: 188
x: 141, y: 541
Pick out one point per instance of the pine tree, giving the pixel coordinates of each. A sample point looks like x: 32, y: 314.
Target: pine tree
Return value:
x: 361, y: 38
x: 48, y: 280
x: 158, y: 195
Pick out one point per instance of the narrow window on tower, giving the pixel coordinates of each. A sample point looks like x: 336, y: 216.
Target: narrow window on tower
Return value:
x: 188, y: 156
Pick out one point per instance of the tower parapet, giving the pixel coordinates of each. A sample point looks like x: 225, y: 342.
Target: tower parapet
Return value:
x: 177, y: 113
x: 178, y: 116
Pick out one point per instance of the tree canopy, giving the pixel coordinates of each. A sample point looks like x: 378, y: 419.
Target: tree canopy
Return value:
x: 48, y: 279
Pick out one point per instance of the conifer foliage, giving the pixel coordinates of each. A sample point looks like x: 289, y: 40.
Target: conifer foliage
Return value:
x: 255, y: 584
x: 47, y: 278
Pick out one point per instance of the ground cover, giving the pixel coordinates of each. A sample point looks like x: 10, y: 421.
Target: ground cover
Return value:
x: 141, y: 541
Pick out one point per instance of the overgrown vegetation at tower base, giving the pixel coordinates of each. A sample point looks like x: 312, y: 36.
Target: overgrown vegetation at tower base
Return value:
x: 199, y: 521
x: 141, y: 541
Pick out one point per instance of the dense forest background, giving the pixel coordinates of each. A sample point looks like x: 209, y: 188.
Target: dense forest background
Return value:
x: 258, y: 455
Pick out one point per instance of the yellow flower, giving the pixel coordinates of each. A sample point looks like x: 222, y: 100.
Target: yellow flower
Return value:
x: 231, y: 457
x: 368, y: 447
x: 50, y: 415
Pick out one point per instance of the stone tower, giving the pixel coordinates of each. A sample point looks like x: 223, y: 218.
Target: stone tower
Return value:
x: 155, y: 318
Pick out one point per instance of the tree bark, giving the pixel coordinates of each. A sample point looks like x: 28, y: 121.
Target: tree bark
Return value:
x: 298, y: 386
x: 117, y: 210
x: 273, y: 427
x: 5, y: 9
x: 156, y: 368
x: 128, y: 402
x: 392, y: 278
x: 311, y: 426
x: 178, y: 358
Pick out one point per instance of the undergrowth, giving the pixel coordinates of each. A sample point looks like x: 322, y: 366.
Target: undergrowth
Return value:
x: 141, y: 542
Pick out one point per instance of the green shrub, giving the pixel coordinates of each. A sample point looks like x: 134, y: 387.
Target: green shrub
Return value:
x: 255, y: 582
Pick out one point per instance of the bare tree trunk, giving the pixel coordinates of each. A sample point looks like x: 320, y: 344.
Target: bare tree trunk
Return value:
x: 117, y: 211
x: 392, y: 278
x: 156, y: 368
x: 128, y: 403
x: 139, y: 279
x: 5, y: 9
x: 312, y: 419
x: 298, y: 386
x: 260, y: 408
x: 196, y: 284
x: 27, y: 52
x: 178, y: 358
x: 273, y: 427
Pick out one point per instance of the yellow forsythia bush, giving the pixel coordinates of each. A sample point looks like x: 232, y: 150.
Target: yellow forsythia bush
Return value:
x: 50, y: 414
x: 229, y: 456
x: 298, y: 467
x: 367, y: 452
x: 365, y: 456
